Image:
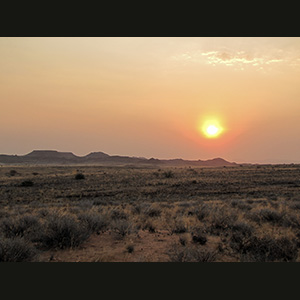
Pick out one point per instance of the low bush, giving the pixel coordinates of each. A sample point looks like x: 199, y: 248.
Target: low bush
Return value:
x: 272, y: 216
x: 198, y: 235
x: 118, y: 214
x: 16, y: 250
x: 26, y: 226
x: 79, y: 176
x: 93, y: 222
x: 13, y: 172
x: 179, y: 226
x: 268, y: 249
x: 183, y: 241
x: 267, y: 215
x: 240, y: 204
x: 222, y: 220
x: 295, y: 205
x: 122, y: 228
x: 240, y: 234
x: 60, y: 232
x: 130, y: 248
x: 149, y: 226
x: 152, y: 211
x: 27, y: 183
x: 179, y: 253
x: 201, y: 212
x: 169, y: 174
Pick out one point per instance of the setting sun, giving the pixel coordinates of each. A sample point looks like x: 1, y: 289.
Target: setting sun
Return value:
x: 212, y: 129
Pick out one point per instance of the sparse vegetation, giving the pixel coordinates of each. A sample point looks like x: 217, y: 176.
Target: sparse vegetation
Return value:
x: 27, y: 226
x: 169, y: 174
x: 122, y: 228
x: 130, y: 248
x: 268, y: 249
x: 191, y: 254
x: 192, y: 215
x: 79, y: 176
x: 13, y: 172
x: 16, y: 250
x: 93, y: 222
x: 60, y: 232
x: 199, y: 236
x: 27, y: 183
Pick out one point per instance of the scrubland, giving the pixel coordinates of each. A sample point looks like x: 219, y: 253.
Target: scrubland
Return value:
x: 146, y: 214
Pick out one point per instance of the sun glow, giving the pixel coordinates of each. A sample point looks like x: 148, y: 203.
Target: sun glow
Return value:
x: 212, y: 129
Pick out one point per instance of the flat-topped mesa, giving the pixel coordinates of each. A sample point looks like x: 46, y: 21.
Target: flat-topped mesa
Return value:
x: 42, y: 154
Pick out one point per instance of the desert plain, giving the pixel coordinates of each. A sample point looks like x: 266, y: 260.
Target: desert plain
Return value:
x: 127, y: 213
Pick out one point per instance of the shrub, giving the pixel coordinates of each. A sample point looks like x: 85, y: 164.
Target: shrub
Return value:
x: 198, y: 236
x: 222, y: 220
x: 179, y: 227
x: 43, y: 212
x: 130, y: 248
x: 183, y: 241
x: 122, y: 228
x: 156, y: 174
x: 117, y: 214
x: 240, y: 205
x: 136, y: 209
x: 13, y: 172
x: 100, y: 202
x: 240, y: 234
x: 244, y: 228
x: 27, y: 183
x: 152, y: 211
x: 24, y: 226
x: 295, y: 205
x: 234, y: 203
x: 149, y: 226
x: 272, y: 216
x: 267, y: 249
x: 290, y: 220
x: 168, y: 174
x: 60, y: 232
x: 201, y: 212
x: 267, y: 215
x: 191, y: 254
x: 16, y: 250
x: 79, y: 176
x: 94, y: 222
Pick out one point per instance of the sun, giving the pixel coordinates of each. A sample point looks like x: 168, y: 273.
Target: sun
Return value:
x: 212, y: 129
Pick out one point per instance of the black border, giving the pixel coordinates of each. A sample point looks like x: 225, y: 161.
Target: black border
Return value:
x: 145, y: 280
x: 237, y: 280
x: 178, y: 19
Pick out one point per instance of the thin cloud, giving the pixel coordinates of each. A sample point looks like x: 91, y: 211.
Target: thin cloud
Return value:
x: 237, y: 59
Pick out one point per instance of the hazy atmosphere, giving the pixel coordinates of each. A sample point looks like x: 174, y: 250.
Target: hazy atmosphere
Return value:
x: 193, y: 98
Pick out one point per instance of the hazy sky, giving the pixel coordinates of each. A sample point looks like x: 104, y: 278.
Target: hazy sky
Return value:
x: 150, y: 96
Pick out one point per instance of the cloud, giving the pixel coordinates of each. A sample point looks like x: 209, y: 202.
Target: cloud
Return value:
x: 238, y: 59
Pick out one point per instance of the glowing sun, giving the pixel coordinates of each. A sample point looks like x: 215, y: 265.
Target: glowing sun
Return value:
x: 212, y: 129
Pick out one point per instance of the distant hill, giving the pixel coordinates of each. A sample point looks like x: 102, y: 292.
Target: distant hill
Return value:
x: 100, y: 158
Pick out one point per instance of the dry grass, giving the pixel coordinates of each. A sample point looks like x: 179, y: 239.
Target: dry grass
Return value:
x: 149, y: 214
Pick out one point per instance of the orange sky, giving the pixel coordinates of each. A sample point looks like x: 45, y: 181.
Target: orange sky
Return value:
x: 149, y: 96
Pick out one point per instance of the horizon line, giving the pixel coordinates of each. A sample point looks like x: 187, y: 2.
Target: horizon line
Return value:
x: 267, y: 161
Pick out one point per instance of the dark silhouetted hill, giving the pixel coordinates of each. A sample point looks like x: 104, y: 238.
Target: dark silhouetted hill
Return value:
x: 100, y: 158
